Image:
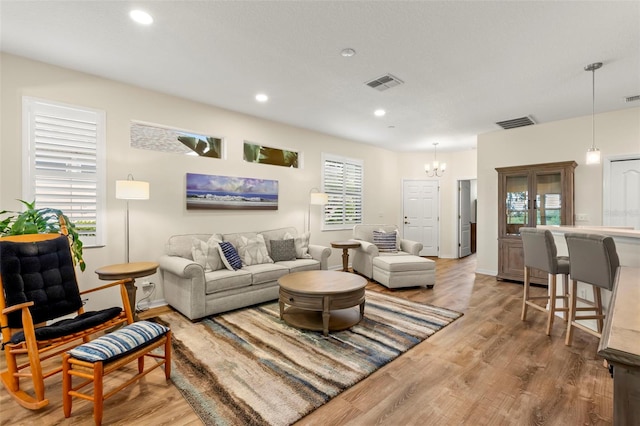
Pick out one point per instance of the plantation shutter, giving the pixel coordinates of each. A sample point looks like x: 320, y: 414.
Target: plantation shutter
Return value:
x: 342, y: 182
x: 63, y: 163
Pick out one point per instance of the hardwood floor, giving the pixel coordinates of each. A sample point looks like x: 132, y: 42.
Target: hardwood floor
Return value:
x: 487, y: 368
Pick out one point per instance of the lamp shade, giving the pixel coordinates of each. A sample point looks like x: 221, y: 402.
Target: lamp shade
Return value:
x: 318, y: 198
x: 132, y: 190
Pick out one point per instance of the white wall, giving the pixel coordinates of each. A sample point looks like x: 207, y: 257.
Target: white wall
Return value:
x: 617, y: 133
x: 153, y: 221
x: 460, y: 165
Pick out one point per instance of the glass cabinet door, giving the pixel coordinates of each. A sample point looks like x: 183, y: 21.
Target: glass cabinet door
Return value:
x: 548, y: 203
x: 517, y: 203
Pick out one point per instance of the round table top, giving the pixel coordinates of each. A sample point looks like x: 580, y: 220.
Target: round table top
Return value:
x: 127, y: 270
x: 322, y: 282
x: 345, y: 244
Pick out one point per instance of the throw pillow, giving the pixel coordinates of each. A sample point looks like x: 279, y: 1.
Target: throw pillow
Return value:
x: 386, y: 241
x: 283, y: 250
x: 253, y: 251
x: 206, y: 254
x: 229, y: 256
x: 199, y: 252
x: 301, y: 243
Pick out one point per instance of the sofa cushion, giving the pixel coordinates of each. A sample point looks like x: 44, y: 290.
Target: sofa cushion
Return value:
x: 265, y: 272
x: 253, y: 251
x: 120, y: 342
x: 206, y: 254
x: 302, y: 245
x: 283, y: 250
x: 299, y: 265
x: 224, y: 279
x: 385, y: 241
x: 229, y: 256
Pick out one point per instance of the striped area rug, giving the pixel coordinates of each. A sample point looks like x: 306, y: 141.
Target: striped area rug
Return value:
x: 248, y: 367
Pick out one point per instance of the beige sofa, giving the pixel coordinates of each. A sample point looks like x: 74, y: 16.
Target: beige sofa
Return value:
x: 198, y: 288
x: 403, y: 267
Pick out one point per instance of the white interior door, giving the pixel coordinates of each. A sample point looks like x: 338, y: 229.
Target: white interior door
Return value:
x: 420, y: 208
x: 464, y: 218
x: 623, y: 194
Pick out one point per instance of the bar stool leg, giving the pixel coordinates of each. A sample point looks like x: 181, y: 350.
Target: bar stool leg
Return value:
x: 526, y: 294
x: 565, y: 296
x: 572, y: 311
x: 552, y: 303
x: 597, y: 297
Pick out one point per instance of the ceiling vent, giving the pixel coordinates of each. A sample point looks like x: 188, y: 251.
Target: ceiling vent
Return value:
x: 516, y: 122
x: 385, y: 82
x: 632, y: 98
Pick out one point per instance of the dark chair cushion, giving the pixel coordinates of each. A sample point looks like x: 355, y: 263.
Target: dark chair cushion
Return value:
x: 68, y: 326
x: 41, y: 272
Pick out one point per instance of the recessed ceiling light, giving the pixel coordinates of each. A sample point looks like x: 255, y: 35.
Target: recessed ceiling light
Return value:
x: 348, y: 52
x: 261, y: 97
x: 379, y: 112
x: 141, y: 17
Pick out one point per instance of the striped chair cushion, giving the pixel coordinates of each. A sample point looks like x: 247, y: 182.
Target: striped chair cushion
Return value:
x: 229, y: 256
x: 386, y: 241
x: 120, y: 342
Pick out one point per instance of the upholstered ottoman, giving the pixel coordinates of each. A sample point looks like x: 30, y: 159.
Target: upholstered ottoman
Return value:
x: 404, y: 271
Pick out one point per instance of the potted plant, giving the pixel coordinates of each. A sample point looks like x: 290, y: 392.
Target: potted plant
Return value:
x: 42, y: 221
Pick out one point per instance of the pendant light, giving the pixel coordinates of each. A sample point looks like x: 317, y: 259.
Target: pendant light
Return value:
x: 435, y: 168
x: 593, y: 153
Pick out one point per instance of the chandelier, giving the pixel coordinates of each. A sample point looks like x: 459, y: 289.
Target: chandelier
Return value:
x: 435, y: 168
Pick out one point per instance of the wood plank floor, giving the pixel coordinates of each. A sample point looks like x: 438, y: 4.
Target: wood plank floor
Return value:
x: 487, y: 368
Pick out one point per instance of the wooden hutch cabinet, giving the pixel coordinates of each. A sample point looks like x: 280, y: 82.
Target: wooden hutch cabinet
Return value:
x: 538, y: 194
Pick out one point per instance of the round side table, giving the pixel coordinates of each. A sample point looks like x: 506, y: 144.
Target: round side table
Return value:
x: 128, y: 270
x: 345, y: 246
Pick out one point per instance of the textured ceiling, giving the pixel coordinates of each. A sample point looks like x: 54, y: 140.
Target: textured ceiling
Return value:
x: 466, y: 65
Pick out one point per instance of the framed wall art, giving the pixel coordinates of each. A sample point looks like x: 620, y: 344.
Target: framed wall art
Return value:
x: 228, y: 192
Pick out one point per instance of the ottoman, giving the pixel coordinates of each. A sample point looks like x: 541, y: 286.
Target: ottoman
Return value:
x: 404, y: 271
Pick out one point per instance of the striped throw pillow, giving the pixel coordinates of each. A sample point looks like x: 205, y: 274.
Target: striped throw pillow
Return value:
x: 229, y: 256
x: 386, y: 241
x: 120, y: 342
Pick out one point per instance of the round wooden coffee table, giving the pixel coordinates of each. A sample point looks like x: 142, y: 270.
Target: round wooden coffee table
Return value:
x: 322, y: 300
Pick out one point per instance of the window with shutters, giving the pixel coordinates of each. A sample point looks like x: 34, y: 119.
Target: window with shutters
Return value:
x: 342, y: 180
x: 63, y: 163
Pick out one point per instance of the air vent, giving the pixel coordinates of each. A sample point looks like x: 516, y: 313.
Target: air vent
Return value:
x: 385, y: 82
x: 632, y: 98
x: 516, y: 122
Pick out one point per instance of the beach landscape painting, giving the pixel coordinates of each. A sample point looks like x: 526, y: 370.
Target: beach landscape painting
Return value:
x: 228, y: 192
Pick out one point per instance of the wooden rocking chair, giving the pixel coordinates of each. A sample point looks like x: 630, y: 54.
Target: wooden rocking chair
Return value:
x: 38, y: 283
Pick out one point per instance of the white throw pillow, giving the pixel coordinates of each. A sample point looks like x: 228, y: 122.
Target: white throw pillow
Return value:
x: 206, y: 254
x: 302, y: 244
x: 253, y: 251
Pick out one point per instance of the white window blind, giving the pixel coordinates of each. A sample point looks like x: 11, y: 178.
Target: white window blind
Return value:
x: 342, y: 181
x: 64, y: 163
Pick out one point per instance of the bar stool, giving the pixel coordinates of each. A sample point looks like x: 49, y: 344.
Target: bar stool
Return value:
x: 593, y: 260
x: 540, y: 253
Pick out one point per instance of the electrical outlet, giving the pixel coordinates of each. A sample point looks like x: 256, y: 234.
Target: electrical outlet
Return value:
x: 582, y: 217
x: 147, y: 287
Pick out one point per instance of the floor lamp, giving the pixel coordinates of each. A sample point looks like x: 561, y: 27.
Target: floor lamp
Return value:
x: 316, y: 198
x: 130, y: 190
